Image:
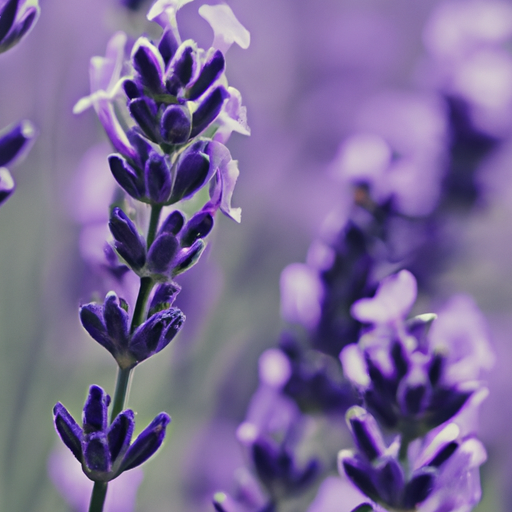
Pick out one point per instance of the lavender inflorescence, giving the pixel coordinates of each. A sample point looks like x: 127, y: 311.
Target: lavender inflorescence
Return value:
x: 168, y: 112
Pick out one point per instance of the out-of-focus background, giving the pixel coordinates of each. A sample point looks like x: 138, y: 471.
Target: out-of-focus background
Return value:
x: 316, y: 72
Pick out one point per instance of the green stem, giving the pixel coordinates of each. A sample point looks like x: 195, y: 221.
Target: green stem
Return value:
x: 121, y: 393
x: 146, y: 285
x: 153, y: 223
x: 98, y: 496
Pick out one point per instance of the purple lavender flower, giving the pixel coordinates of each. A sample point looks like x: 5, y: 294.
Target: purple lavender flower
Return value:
x: 403, y: 377
x: 377, y: 472
x: 109, y: 326
x: 106, y: 451
x: 17, y: 17
x: 178, y: 98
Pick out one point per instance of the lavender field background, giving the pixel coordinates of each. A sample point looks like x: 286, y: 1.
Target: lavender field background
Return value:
x: 316, y: 73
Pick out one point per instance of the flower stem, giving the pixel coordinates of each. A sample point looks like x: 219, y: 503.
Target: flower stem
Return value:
x: 121, y: 392
x: 98, y: 496
x: 146, y: 285
x: 153, y: 223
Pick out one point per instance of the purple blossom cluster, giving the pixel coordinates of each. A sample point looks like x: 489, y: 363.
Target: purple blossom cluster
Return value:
x: 168, y: 112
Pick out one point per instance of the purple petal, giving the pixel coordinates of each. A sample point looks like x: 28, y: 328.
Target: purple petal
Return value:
x: 199, y: 226
x: 120, y: 434
x: 366, y: 433
x: 144, y: 110
x: 148, y: 63
x: 208, y: 110
x: 91, y: 316
x: 158, y: 178
x: 173, y: 223
x: 212, y: 69
x: 187, y: 258
x: 96, y: 454
x: 392, y: 301
x: 116, y: 320
x: 126, y: 176
x: 15, y: 141
x: 176, y: 124
x: 94, y: 417
x: 68, y: 430
x: 162, y: 252
x: 226, y: 28
x: 147, y: 443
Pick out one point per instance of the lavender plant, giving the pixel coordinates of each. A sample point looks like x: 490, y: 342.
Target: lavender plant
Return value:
x: 168, y: 111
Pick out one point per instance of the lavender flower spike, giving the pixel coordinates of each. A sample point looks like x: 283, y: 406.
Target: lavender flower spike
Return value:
x: 16, y: 20
x: 105, y: 451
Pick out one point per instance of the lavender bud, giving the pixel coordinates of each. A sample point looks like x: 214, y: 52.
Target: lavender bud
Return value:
x: 188, y: 258
x: 142, y: 147
x: 208, y: 110
x: 419, y: 487
x: 444, y: 454
x: 7, y: 16
x: 144, y: 110
x: 210, y: 72
x: 120, y: 434
x: 167, y: 46
x: 158, y: 178
x: 91, y: 316
x: 164, y: 296
x: 176, y: 124
x: 68, y: 430
x: 15, y: 141
x: 147, y: 443
x: 162, y: 252
x: 191, y: 174
x: 390, y: 481
x: 126, y: 176
x: 116, y: 320
x: 361, y: 475
x: 131, y: 89
x: 128, y: 242
x: 146, y: 61
x: 96, y: 455
x: 94, y: 418
x: 156, y: 333
x: 173, y: 223
x: 184, y: 62
x: 366, y: 433
x: 199, y: 226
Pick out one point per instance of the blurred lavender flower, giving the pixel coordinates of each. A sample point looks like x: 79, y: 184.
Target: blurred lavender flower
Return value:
x: 17, y: 17
x: 14, y: 143
x: 402, y: 376
x: 467, y: 43
x: 106, y: 451
x: 377, y: 472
